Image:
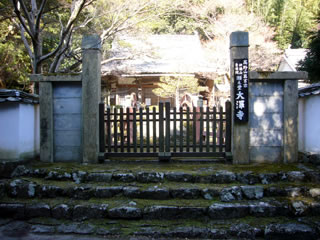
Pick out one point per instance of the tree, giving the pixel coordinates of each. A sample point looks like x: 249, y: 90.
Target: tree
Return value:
x: 15, y: 63
x: 292, y: 19
x: 51, y: 31
x: 174, y: 87
x: 109, y: 18
x: 112, y: 17
x: 34, y: 18
x: 215, y: 20
x: 264, y: 53
x: 311, y: 62
x: 188, y: 17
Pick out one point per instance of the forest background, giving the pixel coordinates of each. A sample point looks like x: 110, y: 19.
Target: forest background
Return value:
x: 44, y: 36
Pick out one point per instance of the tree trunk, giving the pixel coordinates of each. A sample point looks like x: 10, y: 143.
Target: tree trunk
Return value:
x: 37, y: 65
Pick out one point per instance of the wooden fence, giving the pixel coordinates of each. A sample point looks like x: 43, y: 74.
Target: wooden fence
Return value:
x: 165, y: 132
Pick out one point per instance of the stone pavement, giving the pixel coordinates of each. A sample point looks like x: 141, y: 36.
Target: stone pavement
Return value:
x: 193, y: 201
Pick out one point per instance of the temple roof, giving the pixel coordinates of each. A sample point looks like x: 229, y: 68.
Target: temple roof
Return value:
x: 156, y: 54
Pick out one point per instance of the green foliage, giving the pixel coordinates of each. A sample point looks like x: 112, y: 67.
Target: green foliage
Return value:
x: 292, y: 19
x: 312, y: 61
x: 15, y: 62
x: 170, y: 87
x: 212, y: 19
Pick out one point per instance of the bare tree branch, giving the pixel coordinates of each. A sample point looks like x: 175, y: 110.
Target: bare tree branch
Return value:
x: 34, y: 10
x: 21, y: 19
x: 119, y: 25
x: 27, y: 15
x: 84, y: 24
x: 25, y: 42
x: 39, y: 14
x: 59, y: 57
x: 74, y: 15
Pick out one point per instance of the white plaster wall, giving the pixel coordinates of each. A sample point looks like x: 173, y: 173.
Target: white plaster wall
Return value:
x: 301, y: 123
x: 9, y: 130
x: 309, y: 124
x: 27, y: 134
x: 19, y: 128
x: 37, y: 129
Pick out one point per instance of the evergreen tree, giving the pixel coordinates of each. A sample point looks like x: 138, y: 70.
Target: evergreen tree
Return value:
x: 292, y: 19
x: 312, y: 61
x: 15, y: 62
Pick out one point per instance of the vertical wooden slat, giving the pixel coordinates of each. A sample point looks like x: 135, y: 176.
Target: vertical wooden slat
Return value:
x: 148, y: 128
x: 134, y: 130
x: 181, y: 129
x: 207, y: 129
x: 201, y: 129
x: 228, y: 126
x: 121, y: 130
x: 194, y: 130
x: 154, y: 129
x: 188, y: 129
x: 214, y: 130
x: 167, y: 141
x: 161, y: 133
x: 220, y: 129
x: 102, y: 133
x: 115, y: 130
x: 141, y: 128
x: 128, y: 130
x: 109, y: 129
x: 174, y: 129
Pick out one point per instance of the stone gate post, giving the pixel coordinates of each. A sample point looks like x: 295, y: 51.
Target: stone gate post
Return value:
x: 91, y: 97
x: 290, y: 116
x: 239, y: 44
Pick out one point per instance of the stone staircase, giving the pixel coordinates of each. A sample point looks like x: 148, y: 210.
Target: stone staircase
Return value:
x: 131, y: 200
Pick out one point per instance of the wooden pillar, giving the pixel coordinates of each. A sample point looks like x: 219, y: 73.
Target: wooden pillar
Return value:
x: 102, y: 135
x: 228, y: 126
x: 239, y: 44
x: 91, y: 97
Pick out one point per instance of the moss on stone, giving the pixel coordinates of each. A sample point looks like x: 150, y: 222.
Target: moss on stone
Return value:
x: 60, y: 74
x: 175, y: 202
x: 265, y: 74
x: 255, y: 222
x: 190, y: 168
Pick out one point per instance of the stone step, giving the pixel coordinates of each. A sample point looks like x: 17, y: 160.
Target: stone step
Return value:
x: 197, y: 176
x: 163, y: 201
x: 120, y: 208
x: 269, y: 228
x: 34, y: 188
x: 38, y: 228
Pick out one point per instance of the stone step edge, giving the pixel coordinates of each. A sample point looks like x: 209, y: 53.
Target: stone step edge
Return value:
x: 219, y: 177
x: 243, y: 231
x: 20, y: 188
x: 130, y: 211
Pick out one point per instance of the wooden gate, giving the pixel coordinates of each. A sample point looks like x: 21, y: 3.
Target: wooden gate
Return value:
x: 165, y: 132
